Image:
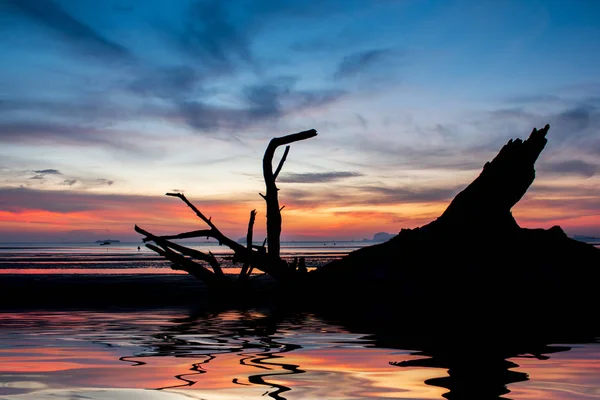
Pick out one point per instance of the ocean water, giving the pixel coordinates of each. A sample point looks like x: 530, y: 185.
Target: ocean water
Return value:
x: 126, y: 258
x: 195, y: 352
x: 258, y: 354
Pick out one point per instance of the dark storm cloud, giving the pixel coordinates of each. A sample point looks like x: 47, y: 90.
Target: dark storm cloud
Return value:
x: 574, y: 167
x: 360, y: 61
x: 55, y: 18
x: 317, y: 177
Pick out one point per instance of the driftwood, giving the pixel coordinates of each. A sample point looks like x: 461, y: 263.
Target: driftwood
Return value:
x: 264, y: 258
x: 474, y: 252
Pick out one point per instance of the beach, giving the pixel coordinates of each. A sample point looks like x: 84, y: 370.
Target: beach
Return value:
x: 97, y: 290
x: 118, y: 323
x: 120, y: 275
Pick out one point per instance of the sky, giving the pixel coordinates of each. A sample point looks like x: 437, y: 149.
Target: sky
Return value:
x: 106, y: 105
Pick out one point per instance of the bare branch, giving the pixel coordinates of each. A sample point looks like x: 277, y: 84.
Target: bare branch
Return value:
x: 216, y: 233
x: 183, y: 264
x: 162, y: 242
x: 283, y: 158
x: 192, y: 234
x: 244, y: 272
x: 271, y: 197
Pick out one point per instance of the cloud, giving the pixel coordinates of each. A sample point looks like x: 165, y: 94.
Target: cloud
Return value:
x: 166, y: 82
x: 41, y: 174
x: 258, y: 104
x: 48, y: 172
x: 572, y: 120
x: 317, y: 177
x: 390, y: 154
x: 67, y: 201
x: 343, y: 196
x: 69, y: 182
x: 82, y: 108
x: 64, y: 133
x: 360, y: 61
x: 264, y: 100
x: 389, y: 217
x: 210, y: 35
x: 535, y: 99
x: 572, y: 124
x: 61, y: 201
x: 56, y: 19
x: 574, y: 167
x: 394, y: 195
x: 21, y: 199
x: 102, y: 181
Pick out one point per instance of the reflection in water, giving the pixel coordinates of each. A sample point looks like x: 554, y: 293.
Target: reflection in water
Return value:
x: 253, y: 339
x: 484, y: 376
x: 256, y: 353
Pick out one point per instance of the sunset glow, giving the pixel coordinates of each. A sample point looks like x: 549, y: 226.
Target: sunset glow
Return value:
x: 105, y: 107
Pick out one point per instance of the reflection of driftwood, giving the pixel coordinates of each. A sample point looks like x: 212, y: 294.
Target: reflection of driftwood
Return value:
x: 475, y: 249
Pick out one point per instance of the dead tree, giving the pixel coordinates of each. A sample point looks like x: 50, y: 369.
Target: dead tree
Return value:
x: 476, y: 236
x: 266, y: 258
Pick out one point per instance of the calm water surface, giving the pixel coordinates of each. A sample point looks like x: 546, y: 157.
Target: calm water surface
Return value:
x: 126, y: 258
x: 257, y: 354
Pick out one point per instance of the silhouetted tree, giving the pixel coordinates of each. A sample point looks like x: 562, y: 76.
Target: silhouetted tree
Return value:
x: 266, y: 258
x: 476, y: 236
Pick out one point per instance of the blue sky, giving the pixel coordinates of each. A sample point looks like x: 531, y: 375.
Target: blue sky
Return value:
x: 113, y: 103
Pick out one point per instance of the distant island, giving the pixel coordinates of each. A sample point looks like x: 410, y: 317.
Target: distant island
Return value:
x: 583, y: 238
x: 382, y: 236
x: 106, y: 241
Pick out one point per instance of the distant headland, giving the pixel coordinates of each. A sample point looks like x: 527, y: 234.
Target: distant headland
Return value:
x: 382, y: 236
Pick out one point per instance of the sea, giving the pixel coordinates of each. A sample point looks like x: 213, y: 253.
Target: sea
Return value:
x: 134, y: 257
x: 188, y: 352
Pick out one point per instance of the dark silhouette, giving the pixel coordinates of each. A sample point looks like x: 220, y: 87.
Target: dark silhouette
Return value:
x: 479, y: 366
x: 470, y: 257
x: 302, y: 266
